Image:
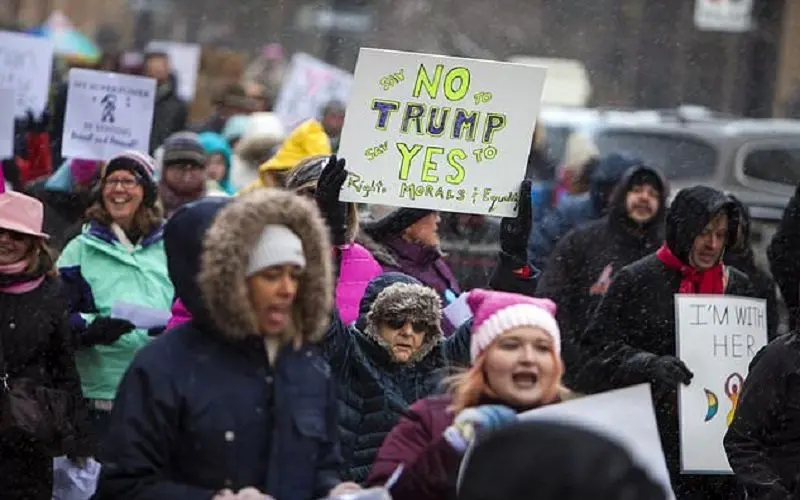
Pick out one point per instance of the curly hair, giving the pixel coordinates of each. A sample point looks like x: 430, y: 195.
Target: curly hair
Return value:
x: 41, y: 259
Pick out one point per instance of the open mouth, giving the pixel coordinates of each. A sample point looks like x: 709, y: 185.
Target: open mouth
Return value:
x: 525, y: 380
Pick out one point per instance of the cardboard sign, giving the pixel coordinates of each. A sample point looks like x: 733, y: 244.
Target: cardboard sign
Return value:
x: 107, y: 113
x: 625, y: 416
x: 6, y: 124
x: 26, y: 64
x: 438, y: 132
x: 310, y: 84
x: 717, y: 337
x: 184, y: 59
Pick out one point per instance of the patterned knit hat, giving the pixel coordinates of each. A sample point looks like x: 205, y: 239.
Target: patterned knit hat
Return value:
x: 494, y: 313
x: 183, y: 147
x: 140, y: 165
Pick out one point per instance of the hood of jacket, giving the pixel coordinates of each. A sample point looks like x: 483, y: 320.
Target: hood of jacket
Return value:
x: 215, y: 144
x: 690, y: 212
x: 226, y: 252
x: 606, y: 176
x: 394, y: 294
x: 183, y: 243
x: 618, y: 213
x: 263, y: 135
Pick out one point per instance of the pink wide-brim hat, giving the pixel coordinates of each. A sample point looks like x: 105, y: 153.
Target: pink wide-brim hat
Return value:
x: 22, y: 214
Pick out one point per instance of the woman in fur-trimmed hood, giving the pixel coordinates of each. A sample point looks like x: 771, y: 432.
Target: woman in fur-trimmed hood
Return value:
x: 394, y: 355
x: 239, y: 397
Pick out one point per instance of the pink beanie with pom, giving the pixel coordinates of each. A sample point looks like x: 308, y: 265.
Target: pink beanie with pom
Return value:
x: 494, y: 313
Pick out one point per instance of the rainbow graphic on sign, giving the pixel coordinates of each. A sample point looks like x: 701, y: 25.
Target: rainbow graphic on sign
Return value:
x: 733, y: 388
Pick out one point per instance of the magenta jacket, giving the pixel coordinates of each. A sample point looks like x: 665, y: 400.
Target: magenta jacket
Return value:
x: 357, y: 269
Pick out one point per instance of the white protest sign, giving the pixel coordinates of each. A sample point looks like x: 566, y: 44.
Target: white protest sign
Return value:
x: 309, y: 85
x: 26, y: 64
x: 107, y: 113
x: 6, y: 124
x: 438, y: 132
x: 717, y: 337
x: 734, y: 16
x: 625, y: 416
x: 184, y: 59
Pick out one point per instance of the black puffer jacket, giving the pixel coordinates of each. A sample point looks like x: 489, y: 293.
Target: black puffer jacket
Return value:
x: 763, y: 442
x: 375, y: 390
x: 585, y: 260
x: 636, y: 317
x: 783, y: 258
x: 35, y: 340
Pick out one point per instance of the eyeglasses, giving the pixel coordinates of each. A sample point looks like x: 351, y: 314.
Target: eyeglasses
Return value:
x: 13, y: 234
x: 125, y: 183
x: 398, y: 323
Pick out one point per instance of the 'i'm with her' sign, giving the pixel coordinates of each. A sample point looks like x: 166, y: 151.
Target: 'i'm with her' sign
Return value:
x: 438, y: 132
x: 717, y: 336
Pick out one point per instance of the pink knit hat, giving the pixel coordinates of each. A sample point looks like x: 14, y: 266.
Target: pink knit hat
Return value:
x: 494, y: 313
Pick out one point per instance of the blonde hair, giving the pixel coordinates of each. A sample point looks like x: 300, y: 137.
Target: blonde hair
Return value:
x: 41, y: 257
x: 470, y: 387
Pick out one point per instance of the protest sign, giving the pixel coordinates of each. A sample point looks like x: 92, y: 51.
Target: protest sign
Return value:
x: 184, y: 59
x: 6, y: 124
x: 438, y: 132
x: 625, y: 416
x: 717, y: 337
x: 26, y: 65
x: 107, y: 113
x: 309, y: 85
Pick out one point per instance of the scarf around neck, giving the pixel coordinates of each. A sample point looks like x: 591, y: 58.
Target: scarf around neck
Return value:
x: 711, y: 281
x: 15, y: 281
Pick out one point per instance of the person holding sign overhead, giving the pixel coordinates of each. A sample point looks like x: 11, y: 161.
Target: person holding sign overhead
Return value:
x: 631, y: 338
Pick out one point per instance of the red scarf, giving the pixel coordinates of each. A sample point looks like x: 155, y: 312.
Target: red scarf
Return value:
x: 710, y: 281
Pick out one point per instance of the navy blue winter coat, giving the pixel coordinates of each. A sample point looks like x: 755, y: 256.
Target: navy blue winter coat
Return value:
x: 201, y: 407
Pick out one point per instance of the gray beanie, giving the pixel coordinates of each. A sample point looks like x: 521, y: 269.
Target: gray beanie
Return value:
x: 277, y: 245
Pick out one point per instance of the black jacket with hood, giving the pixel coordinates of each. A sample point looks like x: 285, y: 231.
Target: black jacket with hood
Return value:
x: 763, y: 441
x: 783, y: 258
x: 584, y: 261
x: 374, y: 389
x: 201, y: 408
x: 635, y: 322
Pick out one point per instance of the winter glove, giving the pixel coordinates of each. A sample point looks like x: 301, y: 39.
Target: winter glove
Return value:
x: 669, y: 370
x: 327, y: 195
x: 514, y: 231
x: 473, y: 421
x: 104, y: 331
x: 38, y: 126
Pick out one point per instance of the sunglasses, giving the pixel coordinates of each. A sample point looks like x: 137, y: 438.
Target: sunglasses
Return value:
x: 13, y: 234
x: 398, y: 323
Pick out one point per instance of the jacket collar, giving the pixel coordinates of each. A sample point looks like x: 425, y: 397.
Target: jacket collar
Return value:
x: 105, y: 234
x: 415, y: 252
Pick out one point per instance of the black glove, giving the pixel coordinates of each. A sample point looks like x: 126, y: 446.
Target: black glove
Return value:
x: 670, y: 370
x: 327, y: 195
x: 104, y: 331
x: 40, y: 125
x: 156, y: 331
x: 514, y: 231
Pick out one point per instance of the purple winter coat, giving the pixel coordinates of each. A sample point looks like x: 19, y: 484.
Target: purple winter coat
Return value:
x: 424, y: 263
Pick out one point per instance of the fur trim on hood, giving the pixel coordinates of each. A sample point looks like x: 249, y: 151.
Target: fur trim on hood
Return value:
x: 227, y: 248
x: 383, y: 255
x: 412, y: 301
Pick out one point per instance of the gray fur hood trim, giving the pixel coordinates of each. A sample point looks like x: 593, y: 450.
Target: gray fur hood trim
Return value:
x: 417, y: 302
x: 226, y: 251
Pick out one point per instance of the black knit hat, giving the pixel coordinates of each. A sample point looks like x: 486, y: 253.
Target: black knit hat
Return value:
x: 553, y: 461
x: 142, y: 166
x: 182, y: 148
x: 395, y: 222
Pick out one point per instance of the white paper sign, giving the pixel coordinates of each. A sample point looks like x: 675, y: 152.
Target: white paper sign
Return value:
x: 184, y: 59
x: 717, y: 337
x: 625, y: 416
x: 26, y: 64
x: 6, y: 124
x: 107, y: 113
x: 141, y: 316
x: 439, y: 132
x: 309, y: 85
x: 723, y: 15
